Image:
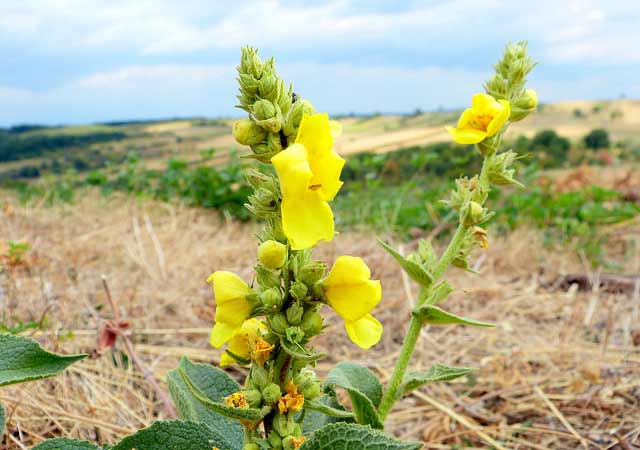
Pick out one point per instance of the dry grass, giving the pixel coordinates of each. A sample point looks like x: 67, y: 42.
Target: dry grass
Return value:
x: 561, y: 370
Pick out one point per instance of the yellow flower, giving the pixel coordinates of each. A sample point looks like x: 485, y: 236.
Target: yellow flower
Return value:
x: 309, y: 172
x: 484, y: 119
x: 292, y: 401
x: 237, y: 400
x: 353, y: 295
x: 242, y: 341
x: 232, y: 305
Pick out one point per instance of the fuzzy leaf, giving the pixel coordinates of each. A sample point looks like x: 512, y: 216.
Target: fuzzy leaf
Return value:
x: 363, y: 387
x: 22, y: 359
x: 65, y: 444
x: 321, y: 407
x: 346, y: 436
x: 171, y: 435
x: 439, y: 372
x: 2, y: 419
x: 299, y: 352
x: 435, y: 316
x: 215, y: 385
x: 314, y: 419
x: 419, y: 274
x: 246, y: 414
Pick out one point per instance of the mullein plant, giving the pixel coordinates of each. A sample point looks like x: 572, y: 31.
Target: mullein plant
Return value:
x: 267, y: 324
x: 270, y: 323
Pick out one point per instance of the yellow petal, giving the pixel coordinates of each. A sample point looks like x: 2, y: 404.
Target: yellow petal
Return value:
x: 466, y: 135
x: 465, y: 118
x: 221, y: 333
x: 233, y: 312
x: 226, y: 360
x: 480, y: 103
x: 228, y: 286
x: 348, y: 288
x: 336, y: 129
x: 315, y: 133
x: 306, y: 220
x: 293, y: 170
x: 500, y: 118
x: 365, y: 332
x: 326, y: 170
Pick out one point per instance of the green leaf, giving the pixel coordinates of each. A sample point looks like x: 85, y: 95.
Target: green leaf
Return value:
x: 65, y: 444
x: 215, y: 385
x: 297, y: 351
x: 247, y: 414
x: 413, y: 269
x: 436, y: 316
x: 439, y: 293
x: 314, y: 419
x: 170, y: 435
x: 22, y: 359
x: 363, y: 387
x: 438, y: 372
x: 2, y: 419
x: 347, y: 436
x: 321, y: 407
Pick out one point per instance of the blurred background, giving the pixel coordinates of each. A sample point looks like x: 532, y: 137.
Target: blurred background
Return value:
x: 117, y: 159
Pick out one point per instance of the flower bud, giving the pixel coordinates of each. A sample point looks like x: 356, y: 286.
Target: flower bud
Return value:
x: 254, y: 398
x: 480, y: 237
x: 299, y: 108
x: 473, y: 214
x: 311, y: 323
x: 259, y: 376
x: 275, y: 441
x: 294, y: 314
x: 251, y: 446
x: 271, y: 393
x: 303, y: 378
x: 311, y: 273
x: 312, y: 390
x: 278, y: 323
x: 294, y: 334
x: 248, y: 84
x: 274, y: 144
x: 246, y: 132
x: 284, y: 97
x: 267, y: 87
x: 267, y: 278
x: 272, y: 254
x: 263, y: 109
x: 271, y: 298
x: 298, y: 290
x: 283, y: 425
x: 524, y: 105
x: 250, y: 62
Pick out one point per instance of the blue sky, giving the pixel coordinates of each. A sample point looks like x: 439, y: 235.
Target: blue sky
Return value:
x: 81, y: 61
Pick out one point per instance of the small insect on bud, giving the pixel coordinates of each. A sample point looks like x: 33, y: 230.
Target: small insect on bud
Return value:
x: 246, y: 132
x: 271, y: 393
x: 272, y: 254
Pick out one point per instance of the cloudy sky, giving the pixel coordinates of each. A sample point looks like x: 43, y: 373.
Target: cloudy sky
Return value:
x: 80, y: 61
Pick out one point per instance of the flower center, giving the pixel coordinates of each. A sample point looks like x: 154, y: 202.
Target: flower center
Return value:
x: 481, y: 121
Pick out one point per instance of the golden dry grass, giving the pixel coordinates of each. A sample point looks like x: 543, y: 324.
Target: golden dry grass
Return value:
x: 561, y: 370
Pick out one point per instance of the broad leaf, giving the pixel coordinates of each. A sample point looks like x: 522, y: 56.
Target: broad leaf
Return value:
x: 22, y: 359
x: 171, y: 435
x: 215, y: 384
x: 314, y: 419
x: 2, y: 419
x: 436, y: 316
x: 418, y: 273
x: 244, y: 414
x: 364, y: 390
x: 322, y: 407
x: 347, y: 436
x: 299, y: 352
x: 439, y: 372
x: 65, y: 444
x: 439, y: 293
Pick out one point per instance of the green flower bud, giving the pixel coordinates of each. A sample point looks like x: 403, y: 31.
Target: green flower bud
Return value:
x: 263, y: 110
x: 272, y: 254
x: 267, y: 278
x: 294, y: 314
x: 299, y: 108
x: 278, y: 323
x: 304, y: 378
x: 259, y: 376
x: 271, y: 393
x: 524, y: 105
x: 246, y: 132
x: 284, y: 97
x: 311, y: 323
x: 267, y: 87
x: 283, y: 425
x: 275, y: 440
x: 254, y: 398
x: 500, y: 171
x: 311, y: 273
x: 298, y: 290
x: 274, y: 144
x: 248, y: 84
x: 250, y: 62
x: 271, y: 298
x: 474, y: 214
x: 312, y: 390
x: 294, y: 334
x: 251, y: 446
